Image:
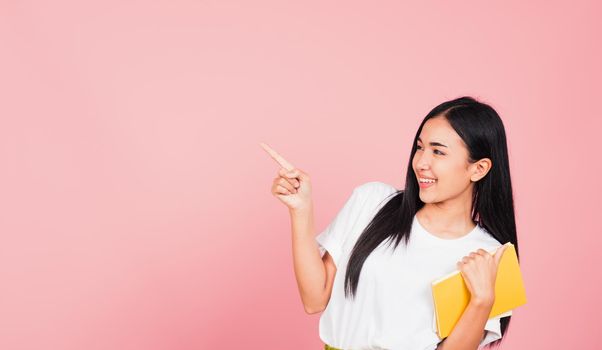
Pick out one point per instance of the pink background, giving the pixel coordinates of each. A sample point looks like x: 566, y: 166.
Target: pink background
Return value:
x: 135, y: 206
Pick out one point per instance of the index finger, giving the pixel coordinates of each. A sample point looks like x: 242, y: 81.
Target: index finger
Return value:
x: 277, y: 157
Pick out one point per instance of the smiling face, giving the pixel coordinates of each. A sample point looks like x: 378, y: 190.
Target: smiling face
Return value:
x: 442, y: 155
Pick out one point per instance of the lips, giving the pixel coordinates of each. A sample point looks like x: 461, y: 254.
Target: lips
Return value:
x: 426, y: 184
x: 420, y: 178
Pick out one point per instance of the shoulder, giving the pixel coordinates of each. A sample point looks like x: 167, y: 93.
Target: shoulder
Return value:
x: 486, y: 239
x: 376, y: 190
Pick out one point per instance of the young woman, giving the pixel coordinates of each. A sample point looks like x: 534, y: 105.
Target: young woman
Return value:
x: 456, y: 207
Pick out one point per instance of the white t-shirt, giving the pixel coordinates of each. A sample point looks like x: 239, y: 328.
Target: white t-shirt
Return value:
x: 393, y: 308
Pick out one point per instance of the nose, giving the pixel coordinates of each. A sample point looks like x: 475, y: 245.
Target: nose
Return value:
x: 423, y: 160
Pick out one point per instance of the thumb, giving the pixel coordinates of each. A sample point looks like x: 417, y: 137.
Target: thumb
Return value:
x: 296, y: 172
x: 499, y: 253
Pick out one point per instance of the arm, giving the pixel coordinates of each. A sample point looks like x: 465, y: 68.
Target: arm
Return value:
x: 469, y: 331
x: 310, y: 271
x: 479, y: 271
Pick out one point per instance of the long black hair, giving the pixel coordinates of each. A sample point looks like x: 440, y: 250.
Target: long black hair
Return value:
x: 482, y: 131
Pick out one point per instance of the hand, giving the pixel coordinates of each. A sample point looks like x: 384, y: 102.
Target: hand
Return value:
x: 292, y: 186
x: 479, y: 270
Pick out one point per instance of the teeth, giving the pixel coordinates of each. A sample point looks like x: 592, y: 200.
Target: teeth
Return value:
x: 426, y: 180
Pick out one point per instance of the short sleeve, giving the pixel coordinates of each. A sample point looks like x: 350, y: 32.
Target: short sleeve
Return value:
x: 333, y: 237
x: 493, y: 328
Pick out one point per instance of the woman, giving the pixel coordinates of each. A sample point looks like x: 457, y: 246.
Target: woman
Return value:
x: 456, y: 207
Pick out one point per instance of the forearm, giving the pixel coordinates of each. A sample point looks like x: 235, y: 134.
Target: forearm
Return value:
x: 310, y: 271
x: 469, y: 331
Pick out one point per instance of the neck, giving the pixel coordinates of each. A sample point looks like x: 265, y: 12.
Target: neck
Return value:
x: 452, y: 217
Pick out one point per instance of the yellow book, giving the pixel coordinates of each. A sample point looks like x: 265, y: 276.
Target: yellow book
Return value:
x: 451, y: 296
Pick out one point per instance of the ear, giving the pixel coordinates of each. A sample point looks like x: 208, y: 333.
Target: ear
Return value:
x: 481, y: 168
x: 498, y: 254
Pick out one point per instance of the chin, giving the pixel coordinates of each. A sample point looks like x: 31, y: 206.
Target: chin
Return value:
x: 428, y: 199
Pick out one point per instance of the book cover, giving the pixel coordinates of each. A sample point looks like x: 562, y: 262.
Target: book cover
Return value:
x: 451, y: 296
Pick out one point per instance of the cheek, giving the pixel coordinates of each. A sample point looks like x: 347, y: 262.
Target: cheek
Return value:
x: 453, y: 177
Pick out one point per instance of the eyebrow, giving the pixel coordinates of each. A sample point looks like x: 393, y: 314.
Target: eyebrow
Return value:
x: 434, y: 143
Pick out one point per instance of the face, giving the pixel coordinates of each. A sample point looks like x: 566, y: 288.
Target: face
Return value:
x: 442, y: 155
